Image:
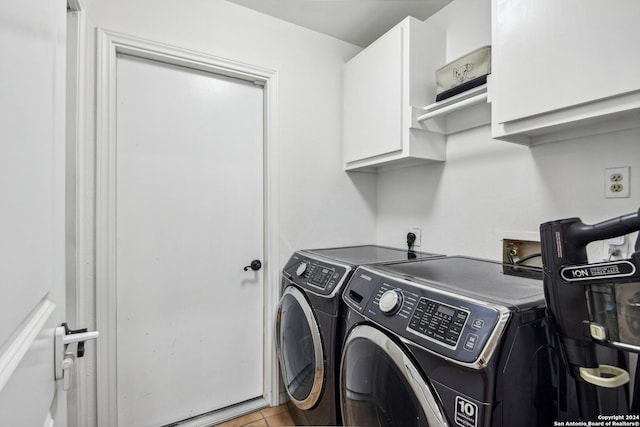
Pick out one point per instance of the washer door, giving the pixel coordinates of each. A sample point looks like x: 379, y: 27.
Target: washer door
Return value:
x: 381, y: 386
x: 300, y: 349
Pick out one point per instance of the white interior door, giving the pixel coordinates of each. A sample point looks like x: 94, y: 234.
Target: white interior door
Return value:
x: 32, y: 41
x: 189, y: 217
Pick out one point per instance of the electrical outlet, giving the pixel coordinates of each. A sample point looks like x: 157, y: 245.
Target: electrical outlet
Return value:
x: 417, y: 232
x: 616, y: 182
x: 615, y: 248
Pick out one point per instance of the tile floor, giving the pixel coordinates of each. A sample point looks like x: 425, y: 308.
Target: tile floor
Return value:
x: 268, y: 417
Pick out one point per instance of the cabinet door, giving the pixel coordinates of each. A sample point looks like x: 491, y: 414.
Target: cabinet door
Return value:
x: 373, y: 99
x: 549, y: 54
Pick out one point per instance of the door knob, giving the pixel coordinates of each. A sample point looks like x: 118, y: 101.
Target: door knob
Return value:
x: 64, y: 357
x: 255, y: 265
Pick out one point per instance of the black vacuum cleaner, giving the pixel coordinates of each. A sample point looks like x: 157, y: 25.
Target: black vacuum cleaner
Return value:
x: 592, y: 303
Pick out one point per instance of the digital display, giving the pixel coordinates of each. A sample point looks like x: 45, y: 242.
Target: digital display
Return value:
x: 446, y: 310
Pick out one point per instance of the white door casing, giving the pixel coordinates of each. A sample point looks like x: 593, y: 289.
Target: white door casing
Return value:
x: 32, y: 119
x: 113, y: 46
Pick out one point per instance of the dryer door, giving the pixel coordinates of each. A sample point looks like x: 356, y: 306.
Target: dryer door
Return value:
x: 381, y: 386
x: 300, y: 349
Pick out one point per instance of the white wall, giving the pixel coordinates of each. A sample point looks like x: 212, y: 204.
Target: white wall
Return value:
x: 488, y: 189
x: 320, y: 205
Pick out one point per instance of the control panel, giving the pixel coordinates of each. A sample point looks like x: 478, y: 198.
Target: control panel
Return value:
x: 319, y: 276
x: 453, y: 326
x: 439, y: 321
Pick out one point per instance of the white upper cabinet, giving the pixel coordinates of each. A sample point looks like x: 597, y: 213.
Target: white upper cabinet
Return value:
x: 563, y: 69
x: 381, y: 85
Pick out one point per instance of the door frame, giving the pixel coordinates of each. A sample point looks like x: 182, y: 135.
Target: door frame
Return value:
x: 78, y: 163
x: 109, y: 44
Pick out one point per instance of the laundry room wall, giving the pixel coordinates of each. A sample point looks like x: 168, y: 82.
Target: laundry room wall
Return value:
x: 489, y: 189
x: 320, y: 205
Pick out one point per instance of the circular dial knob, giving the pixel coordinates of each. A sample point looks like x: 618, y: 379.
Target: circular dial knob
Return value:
x: 390, y: 302
x: 301, y: 269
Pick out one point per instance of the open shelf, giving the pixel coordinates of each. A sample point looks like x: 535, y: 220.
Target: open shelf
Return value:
x: 460, y: 112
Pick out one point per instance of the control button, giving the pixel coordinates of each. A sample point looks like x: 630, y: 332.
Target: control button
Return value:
x: 390, y: 302
x: 302, y: 267
x: 461, y: 315
x: 470, y: 342
x: 598, y: 332
x: 477, y: 324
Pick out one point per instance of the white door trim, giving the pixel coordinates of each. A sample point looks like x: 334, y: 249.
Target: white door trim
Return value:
x: 79, y: 232
x: 109, y: 45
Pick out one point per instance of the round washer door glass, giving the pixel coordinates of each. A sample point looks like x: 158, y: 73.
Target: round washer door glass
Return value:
x: 380, y: 385
x: 300, y: 349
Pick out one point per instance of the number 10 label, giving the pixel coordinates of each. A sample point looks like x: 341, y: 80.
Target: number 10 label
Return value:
x: 466, y: 412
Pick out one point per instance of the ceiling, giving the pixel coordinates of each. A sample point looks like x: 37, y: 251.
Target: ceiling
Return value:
x: 358, y: 22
